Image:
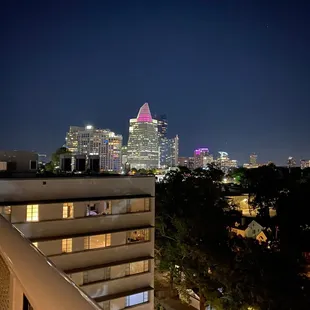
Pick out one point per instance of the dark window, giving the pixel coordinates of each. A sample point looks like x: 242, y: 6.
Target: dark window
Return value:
x: 11, y: 166
x: 33, y: 165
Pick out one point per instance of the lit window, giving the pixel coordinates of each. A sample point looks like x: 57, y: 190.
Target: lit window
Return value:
x: 137, y: 267
x: 67, y: 210
x: 136, y: 205
x: 97, y: 241
x: 137, y: 299
x: 32, y: 213
x: 138, y: 236
x: 66, y: 245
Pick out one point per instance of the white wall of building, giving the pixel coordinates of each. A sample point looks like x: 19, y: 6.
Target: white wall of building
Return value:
x: 126, y: 214
x: 14, y: 190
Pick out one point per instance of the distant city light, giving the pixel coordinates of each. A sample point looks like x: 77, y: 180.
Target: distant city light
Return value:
x: 200, y: 150
x: 223, y: 154
x: 89, y: 127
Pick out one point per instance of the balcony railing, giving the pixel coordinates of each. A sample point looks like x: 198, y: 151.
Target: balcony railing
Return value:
x: 28, y: 277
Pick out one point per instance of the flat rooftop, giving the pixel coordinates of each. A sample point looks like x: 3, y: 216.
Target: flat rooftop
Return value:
x: 77, y: 188
x: 26, y: 176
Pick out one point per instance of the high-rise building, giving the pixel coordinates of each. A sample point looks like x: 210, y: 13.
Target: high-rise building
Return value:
x: 253, y: 160
x: 202, y: 158
x: 252, y: 163
x: 183, y: 161
x: 143, y: 142
x: 291, y: 162
x: 305, y: 163
x: 173, y: 154
x: 72, y: 139
x: 188, y: 162
x: 164, y: 151
x: 110, y: 153
x: 168, y: 151
x: 124, y: 155
x: 98, y: 232
x: 225, y: 163
x: 162, y: 125
x: 92, y: 141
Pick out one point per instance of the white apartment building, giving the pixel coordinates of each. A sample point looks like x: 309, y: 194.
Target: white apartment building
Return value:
x: 98, y: 230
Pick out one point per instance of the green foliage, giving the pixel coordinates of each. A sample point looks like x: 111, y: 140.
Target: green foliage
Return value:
x: 56, y: 155
x: 192, y: 242
x: 239, y: 175
x: 49, y: 166
x: 191, y: 230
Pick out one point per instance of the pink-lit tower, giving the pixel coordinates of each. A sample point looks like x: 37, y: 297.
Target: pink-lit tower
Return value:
x: 143, y: 148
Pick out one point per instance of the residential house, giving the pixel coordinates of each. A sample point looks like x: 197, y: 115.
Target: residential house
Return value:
x: 252, y: 230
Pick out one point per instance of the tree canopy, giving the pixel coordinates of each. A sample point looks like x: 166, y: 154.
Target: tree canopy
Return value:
x: 195, y: 247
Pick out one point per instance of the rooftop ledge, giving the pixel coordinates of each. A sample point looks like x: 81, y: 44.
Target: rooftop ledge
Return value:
x: 67, y: 176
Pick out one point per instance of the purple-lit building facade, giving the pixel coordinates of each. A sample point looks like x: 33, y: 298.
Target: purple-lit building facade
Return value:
x: 202, y: 157
x: 143, y: 142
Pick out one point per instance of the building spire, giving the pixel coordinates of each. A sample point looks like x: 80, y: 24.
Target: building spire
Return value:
x: 144, y: 114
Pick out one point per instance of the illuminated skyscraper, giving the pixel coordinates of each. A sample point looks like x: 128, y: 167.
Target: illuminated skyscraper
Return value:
x: 173, y: 154
x: 225, y: 163
x: 163, y: 142
x: 91, y: 141
x: 304, y: 163
x: 162, y: 125
x: 168, y: 147
x: 202, y: 158
x: 143, y: 142
x: 291, y: 162
x: 110, y: 152
x: 253, y: 160
x: 72, y: 142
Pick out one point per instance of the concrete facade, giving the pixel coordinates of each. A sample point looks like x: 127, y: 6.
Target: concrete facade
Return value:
x: 99, y: 231
x: 19, y: 161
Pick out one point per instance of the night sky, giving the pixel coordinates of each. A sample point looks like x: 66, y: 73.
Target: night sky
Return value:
x: 230, y: 75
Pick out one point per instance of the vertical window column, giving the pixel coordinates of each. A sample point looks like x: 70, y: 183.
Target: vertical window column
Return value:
x: 67, y: 210
x: 66, y: 245
x: 32, y: 213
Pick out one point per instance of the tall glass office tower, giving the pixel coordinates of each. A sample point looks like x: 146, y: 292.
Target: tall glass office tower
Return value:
x: 143, y: 146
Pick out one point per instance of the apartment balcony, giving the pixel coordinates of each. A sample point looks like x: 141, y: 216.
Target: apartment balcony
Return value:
x: 119, y: 285
x: 28, y: 280
x: 83, y: 259
x: 88, y: 224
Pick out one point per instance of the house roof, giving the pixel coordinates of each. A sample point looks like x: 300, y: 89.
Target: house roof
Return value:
x: 247, y: 223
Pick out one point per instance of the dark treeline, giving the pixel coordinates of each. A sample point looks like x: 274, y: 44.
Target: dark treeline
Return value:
x: 195, y: 249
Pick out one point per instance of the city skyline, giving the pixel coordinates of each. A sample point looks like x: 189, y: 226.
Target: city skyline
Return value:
x: 144, y: 117
x: 231, y: 77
